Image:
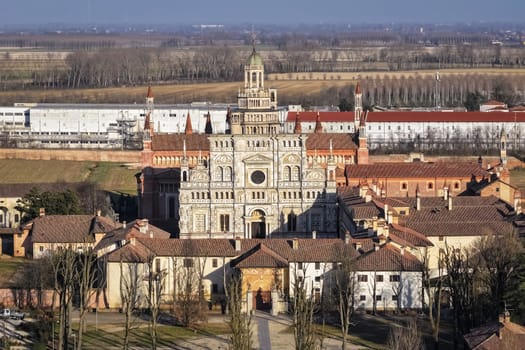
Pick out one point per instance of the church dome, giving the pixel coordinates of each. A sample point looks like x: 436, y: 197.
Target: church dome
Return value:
x: 254, y: 59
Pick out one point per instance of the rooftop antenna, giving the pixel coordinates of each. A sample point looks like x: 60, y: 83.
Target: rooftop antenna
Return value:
x: 254, y: 36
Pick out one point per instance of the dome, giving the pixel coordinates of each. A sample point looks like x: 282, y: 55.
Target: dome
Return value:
x: 254, y: 59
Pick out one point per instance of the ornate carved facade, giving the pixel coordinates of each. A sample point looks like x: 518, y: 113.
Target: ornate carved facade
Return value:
x: 255, y: 180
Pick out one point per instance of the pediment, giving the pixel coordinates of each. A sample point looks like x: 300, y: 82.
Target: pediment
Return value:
x: 257, y: 158
x: 224, y: 159
x: 292, y: 158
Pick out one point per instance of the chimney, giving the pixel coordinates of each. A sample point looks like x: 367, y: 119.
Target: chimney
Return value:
x: 382, y: 239
x: 445, y: 193
x: 449, y: 203
x: 347, y: 237
x: 295, y: 244
x: 314, y: 234
x: 99, y: 212
x: 124, y: 224
x: 357, y: 246
x: 418, y: 198
x: 376, y: 247
x: 132, y: 240
x: 237, y: 244
x: 402, y: 250
x: 517, y: 202
x: 390, y: 217
x: 143, y: 226
x: 42, y: 212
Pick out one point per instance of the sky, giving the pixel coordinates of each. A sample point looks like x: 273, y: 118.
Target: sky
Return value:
x: 174, y: 12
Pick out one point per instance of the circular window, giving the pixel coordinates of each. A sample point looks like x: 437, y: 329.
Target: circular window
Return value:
x: 258, y: 177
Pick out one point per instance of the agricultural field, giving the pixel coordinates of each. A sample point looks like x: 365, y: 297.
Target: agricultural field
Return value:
x: 111, y: 177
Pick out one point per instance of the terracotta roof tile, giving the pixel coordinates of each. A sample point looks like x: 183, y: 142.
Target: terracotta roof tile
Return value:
x: 260, y: 256
x: 450, y: 117
x: 469, y: 216
x: 130, y: 253
x: 388, y: 258
x: 68, y: 228
x: 325, y: 117
x: 410, y: 116
x: 414, y: 170
x: 309, y: 250
x: 401, y: 234
x: 321, y: 141
x: 169, y: 142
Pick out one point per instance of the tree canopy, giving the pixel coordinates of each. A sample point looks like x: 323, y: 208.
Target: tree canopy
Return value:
x: 55, y: 203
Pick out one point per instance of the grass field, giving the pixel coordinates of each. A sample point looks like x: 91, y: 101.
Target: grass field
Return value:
x: 9, y: 266
x: 112, y: 177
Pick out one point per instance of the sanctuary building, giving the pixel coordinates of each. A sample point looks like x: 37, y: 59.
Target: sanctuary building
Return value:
x: 254, y: 180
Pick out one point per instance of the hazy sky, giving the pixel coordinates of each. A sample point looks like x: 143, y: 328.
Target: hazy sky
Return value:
x: 266, y: 11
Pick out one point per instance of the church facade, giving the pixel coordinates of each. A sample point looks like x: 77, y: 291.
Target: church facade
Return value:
x: 255, y: 180
x: 258, y: 181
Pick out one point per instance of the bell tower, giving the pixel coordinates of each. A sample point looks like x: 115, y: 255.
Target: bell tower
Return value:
x: 256, y: 113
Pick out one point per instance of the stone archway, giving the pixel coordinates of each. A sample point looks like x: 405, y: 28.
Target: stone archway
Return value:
x: 258, y: 224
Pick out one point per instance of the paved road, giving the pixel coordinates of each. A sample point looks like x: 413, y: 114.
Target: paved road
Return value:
x: 263, y: 332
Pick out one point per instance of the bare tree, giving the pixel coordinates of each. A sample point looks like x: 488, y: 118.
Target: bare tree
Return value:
x: 65, y: 275
x: 405, y: 338
x: 345, y: 289
x: 432, y: 287
x: 130, y: 296
x: 303, y: 305
x: 188, y: 300
x: 460, y: 279
x: 239, y: 322
x: 87, y: 271
x: 498, y: 260
x: 155, y: 284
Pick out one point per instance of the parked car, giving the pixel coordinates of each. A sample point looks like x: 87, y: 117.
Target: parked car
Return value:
x: 15, y: 315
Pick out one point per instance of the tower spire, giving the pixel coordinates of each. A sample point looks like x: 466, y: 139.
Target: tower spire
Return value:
x: 318, y: 127
x: 297, y: 129
x: 189, y: 128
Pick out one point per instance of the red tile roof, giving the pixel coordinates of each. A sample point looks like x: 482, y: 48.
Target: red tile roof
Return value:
x: 69, y: 228
x: 450, y: 117
x: 415, y: 170
x: 324, y: 117
x: 260, y: 256
x: 412, y: 117
x: 321, y: 141
x: 470, y: 216
x: 171, y: 142
x: 388, y: 258
x: 309, y: 250
x: 401, y: 234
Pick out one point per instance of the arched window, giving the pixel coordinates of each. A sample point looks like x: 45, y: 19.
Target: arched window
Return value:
x: 295, y: 173
x: 227, y: 174
x: 287, y: 173
x: 218, y: 174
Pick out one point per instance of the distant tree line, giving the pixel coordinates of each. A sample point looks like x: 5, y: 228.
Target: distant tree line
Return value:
x: 108, y: 66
